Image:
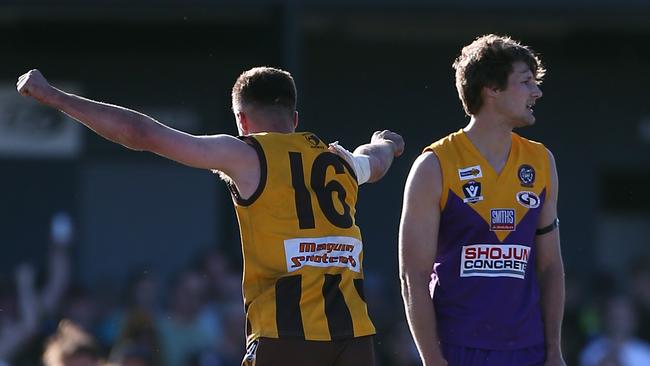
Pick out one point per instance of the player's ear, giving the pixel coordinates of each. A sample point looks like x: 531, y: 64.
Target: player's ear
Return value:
x: 295, y: 120
x: 491, y: 91
x: 242, y: 122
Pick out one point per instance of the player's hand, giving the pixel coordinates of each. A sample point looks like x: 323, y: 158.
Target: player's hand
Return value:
x: 33, y: 84
x: 395, y: 139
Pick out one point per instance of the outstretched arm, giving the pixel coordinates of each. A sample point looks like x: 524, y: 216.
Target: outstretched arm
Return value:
x: 418, y: 242
x: 371, y: 161
x: 141, y: 132
x: 550, y: 272
x: 383, y: 147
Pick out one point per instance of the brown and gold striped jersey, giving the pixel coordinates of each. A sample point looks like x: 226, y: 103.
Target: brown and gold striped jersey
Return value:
x: 302, y: 250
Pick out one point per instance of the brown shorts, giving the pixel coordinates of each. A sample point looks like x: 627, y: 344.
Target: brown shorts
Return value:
x: 297, y: 352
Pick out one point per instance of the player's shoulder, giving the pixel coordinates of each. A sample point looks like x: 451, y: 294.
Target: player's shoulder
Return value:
x: 533, y: 146
x: 426, y: 166
x: 528, y: 142
x: 445, y: 141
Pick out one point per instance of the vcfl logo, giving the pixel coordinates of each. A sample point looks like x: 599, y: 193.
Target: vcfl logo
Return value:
x: 472, y: 192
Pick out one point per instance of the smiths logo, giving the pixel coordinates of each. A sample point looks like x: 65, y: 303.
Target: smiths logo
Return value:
x: 328, y: 251
x: 526, y: 175
x: 502, y: 219
x: 313, y: 140
x: 472, y: 192
x: 473, y: 172
x: 494, y: 260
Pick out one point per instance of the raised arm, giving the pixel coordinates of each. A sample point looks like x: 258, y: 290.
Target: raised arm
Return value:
x: 14, y: 333
x: 550, y: 272
x: 141, y: 132
x: 418, y: 241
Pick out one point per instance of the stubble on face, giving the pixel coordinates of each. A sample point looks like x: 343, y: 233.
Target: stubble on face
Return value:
x: 521, y: 95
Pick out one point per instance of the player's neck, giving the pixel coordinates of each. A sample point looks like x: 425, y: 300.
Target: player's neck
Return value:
x: 272, y: 125
x: 492, y: 139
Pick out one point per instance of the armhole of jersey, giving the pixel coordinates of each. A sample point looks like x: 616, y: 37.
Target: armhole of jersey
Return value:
x: 263, y: 173
x: 444, y: 193
x: 444, y: 189
x: 547, y: 160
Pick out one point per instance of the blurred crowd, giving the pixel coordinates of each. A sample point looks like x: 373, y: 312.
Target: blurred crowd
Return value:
x: 196, y: 318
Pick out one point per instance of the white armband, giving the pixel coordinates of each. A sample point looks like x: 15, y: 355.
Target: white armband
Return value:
x: 359, y: 162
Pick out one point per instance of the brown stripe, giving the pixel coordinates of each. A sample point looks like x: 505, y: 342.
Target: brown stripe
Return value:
x: 287, y: 307
x: 338, y: 315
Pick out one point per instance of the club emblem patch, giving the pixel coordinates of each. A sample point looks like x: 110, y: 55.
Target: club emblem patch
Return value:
x: 472, y: 192
x: 526, y: 175
x: 313, y: 140
x: 528, y: 199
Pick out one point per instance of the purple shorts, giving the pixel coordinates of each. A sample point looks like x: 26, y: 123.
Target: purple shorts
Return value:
x: 465, y: 356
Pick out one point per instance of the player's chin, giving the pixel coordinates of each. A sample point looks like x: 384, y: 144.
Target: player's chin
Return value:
x: 526, y: 121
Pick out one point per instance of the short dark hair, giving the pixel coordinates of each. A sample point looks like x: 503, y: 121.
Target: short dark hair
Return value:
x: 264, y: 87
x: 487, y: 62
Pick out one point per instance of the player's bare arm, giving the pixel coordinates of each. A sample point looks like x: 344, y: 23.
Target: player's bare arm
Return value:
x: 141, y: 132
x: 417, y: 251
x: 550, y: 272
x: 371, y: 161
x: 383, y: 147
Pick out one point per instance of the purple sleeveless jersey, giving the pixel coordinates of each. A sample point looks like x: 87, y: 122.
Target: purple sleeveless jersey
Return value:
x: 484, y: 283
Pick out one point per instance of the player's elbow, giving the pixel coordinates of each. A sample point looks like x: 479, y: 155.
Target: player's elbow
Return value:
x: 413, y: 280
x: 551, y: 270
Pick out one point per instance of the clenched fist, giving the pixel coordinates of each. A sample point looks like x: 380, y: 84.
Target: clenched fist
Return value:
x: 396, y: 140
x: 33, y: 84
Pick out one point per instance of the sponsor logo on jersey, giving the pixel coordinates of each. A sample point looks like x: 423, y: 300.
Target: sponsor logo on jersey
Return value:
x: 472, y: 192
x: 526, y: 175
x: 494, y: 260
x: 473, y: 172
x: 502, y: 219
x: 313, y: 140
x: 528, y: 199
x: 328, y: 251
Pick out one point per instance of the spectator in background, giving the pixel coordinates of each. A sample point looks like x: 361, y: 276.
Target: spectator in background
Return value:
x: 139, y: 341
x: 71, y: 346
x: 80, y: 307
x: 183, y: 333
x: 617, y: 346
x: 62, y: 235
x: 228, y: 348
x: 134, y: 354
x: 138, y: 338
x: 19, y: 313
x: 22, y: 328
